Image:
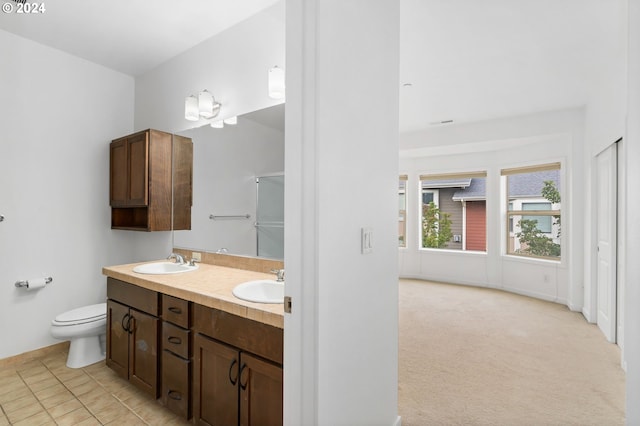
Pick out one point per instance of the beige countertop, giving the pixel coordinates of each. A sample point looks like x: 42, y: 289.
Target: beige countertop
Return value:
x: 209, y: 285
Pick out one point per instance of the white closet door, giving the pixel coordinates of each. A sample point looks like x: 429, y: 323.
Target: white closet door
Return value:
x: 607, y: 188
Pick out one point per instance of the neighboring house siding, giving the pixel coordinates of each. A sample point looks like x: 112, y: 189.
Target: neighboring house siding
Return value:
x: 476, y: 225
x: 454, y: 208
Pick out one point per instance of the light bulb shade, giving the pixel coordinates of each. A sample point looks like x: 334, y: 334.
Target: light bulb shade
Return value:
x: 216, y: 109
x: 217, y: 124
x: 276, y: 83
x: 191, y: 108
x: 205, y: 104
x: 232, y: 121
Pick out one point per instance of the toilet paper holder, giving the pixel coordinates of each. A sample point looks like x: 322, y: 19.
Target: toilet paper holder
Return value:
x: 25, y: 283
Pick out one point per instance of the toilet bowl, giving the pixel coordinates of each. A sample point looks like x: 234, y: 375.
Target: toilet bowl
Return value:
x: 86, y: 328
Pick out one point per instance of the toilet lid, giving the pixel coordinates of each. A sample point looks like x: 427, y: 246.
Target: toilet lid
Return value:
x: 82, y: 315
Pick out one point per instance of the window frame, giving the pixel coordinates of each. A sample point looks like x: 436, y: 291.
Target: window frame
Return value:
x: 511, y: 214
x: 436, y: 200
x: 402, y: 214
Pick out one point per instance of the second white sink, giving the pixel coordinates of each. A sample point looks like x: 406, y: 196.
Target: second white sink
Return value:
x: 260, y: 291
x: 162, y: 268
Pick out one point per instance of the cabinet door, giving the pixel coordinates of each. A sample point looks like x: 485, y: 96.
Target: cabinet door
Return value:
x: 215, y: 383
x: 175, y: 384
x: 138, y: 147
x: 143, y: 351
x: 119, y: 174
x: 260, y: 392
x: 118, y: 338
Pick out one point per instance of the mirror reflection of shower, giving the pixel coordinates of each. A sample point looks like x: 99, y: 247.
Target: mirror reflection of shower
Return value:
x: 270, y: 216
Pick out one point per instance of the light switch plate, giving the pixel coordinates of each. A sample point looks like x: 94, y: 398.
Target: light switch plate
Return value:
x: 366, y: 240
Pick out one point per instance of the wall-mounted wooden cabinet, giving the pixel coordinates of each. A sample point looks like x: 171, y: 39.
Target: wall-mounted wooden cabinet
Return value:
x: 151, y: 181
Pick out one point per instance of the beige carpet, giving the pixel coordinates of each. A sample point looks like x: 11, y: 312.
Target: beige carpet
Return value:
x: 472, y: 356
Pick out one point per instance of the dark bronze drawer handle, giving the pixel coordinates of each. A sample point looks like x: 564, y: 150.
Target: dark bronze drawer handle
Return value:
x: 243, y: 386
x: 175, y: 310
x: 175, y: 395
x: 175, y: 340
x: 231, y: 379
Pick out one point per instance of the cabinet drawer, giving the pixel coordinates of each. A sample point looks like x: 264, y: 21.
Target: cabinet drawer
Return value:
x: 176, y: 388
x: 252, y: 336
x: 132, y: 295
x: 175, y: 339
x: 176, y: 311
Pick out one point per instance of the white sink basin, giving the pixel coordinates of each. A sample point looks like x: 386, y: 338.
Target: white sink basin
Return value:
x: 260, y: 291
x: 162, y: 268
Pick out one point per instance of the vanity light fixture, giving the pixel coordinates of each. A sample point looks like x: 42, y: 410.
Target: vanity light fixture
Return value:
x: 203, y: 106
x: 276, y: 83
x: 231, y: 121
x: 217, y: 124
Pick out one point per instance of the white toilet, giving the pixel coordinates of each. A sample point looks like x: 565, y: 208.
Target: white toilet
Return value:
x: 86, y: 328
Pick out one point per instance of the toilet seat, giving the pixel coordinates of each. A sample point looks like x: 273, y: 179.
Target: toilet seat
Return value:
x: 83, y: 315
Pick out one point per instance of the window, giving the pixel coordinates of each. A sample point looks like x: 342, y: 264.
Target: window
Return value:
x: 543, y: 223
x: 453, y: 211
x: 402, y: 211
x: 533, y: 211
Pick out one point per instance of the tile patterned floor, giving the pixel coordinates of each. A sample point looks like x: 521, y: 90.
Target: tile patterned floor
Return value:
x: 43, y: 391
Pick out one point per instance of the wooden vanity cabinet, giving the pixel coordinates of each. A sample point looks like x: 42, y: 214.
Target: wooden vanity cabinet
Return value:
x: 150, y: 182
x: 175, y: 363
x: 199, y: 362
x: 237, y: 377
x: 132, y: 334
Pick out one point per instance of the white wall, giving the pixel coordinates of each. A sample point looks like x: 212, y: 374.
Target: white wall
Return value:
x: 58, y: 114
x: 232, y: 65
x: 341, y: 342
x: 225, y: 164
x: 490, y: 146
x: 632, y: 269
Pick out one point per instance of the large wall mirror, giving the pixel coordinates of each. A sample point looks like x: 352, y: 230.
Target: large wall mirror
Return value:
x: 238, y: 187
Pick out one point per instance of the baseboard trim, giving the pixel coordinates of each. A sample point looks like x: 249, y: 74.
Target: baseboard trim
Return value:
x: 38, y: 353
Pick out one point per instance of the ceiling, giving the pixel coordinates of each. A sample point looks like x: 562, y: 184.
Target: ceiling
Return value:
x: 460, y: 60
x: 131, y: 36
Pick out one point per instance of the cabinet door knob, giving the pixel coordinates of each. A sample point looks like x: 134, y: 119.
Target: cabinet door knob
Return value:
x: 175, y: 310
x: 243, y: 386
x: 175, y: 340
x: 231, y: 379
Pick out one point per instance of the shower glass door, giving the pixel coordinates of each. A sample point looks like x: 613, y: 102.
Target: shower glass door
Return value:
x: 270, y: 216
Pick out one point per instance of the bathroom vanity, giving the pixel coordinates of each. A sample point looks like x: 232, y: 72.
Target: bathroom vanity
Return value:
x: 185, y: 339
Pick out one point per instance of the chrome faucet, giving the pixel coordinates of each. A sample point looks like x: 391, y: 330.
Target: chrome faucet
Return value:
x: 179, y: 259
x: 279, y: 274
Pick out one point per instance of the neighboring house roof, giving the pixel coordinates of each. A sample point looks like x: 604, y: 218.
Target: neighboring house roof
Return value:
x: 446, y: 183
x: 520, y: 186
x: 476, y: 191
x: 531, y: 184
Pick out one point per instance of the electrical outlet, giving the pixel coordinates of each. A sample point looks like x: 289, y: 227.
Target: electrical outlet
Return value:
x: 197, y: 256
x: 366, y: 240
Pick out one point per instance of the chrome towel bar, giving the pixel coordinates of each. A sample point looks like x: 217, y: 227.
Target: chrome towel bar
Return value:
x: 236, y: 216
